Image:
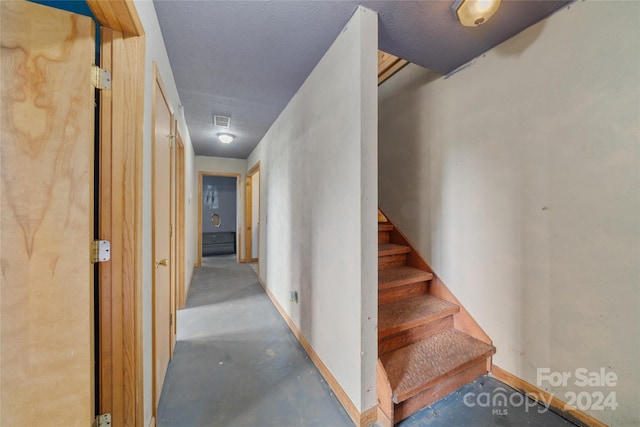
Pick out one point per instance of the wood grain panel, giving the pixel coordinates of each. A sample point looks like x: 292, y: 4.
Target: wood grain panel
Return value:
x: 46, y: 216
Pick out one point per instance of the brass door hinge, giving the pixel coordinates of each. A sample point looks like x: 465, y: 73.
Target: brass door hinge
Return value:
x: 100, y: 78
x: 100, y: 251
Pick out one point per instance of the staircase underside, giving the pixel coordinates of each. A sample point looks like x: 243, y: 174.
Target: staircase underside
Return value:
x: 422, y: 354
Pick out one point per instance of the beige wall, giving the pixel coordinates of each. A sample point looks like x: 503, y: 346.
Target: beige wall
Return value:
x: 318, y: 168
x: 518, y: 178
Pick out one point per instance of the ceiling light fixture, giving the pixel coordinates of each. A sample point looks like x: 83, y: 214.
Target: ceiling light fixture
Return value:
x: 472, y: 13
x: 226, y: 138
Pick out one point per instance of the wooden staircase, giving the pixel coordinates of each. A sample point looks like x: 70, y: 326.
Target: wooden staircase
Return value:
x: 425, y: 344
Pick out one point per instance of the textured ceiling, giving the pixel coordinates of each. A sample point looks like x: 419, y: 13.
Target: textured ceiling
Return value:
x: 246, y: 59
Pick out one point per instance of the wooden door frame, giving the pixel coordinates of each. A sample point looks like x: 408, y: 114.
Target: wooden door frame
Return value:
x: 202, y: 174
x: 180, y: 222
x: 248, y: 215
x: 122, y: 48
x: 158, y: 84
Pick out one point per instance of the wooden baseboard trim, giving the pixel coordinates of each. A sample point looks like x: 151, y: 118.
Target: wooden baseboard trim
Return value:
x: 342, y: 396
x: 369, y: 417
x: 383, y: 419
x: 542, y: 396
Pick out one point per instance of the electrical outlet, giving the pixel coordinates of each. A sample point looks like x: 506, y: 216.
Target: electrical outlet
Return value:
x: 294, y: 296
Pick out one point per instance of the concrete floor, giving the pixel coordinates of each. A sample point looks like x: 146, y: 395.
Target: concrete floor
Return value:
x: 477, y: 405
x: 237, y: 364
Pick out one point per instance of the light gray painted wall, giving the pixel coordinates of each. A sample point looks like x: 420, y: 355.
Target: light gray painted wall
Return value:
x: 519, y: 180
x: 227, y: 189
x: 155, y: 52
x: 319, y: 233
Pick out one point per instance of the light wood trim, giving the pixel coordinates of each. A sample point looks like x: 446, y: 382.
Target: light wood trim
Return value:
x: 255, y: 168
x: 542, y: 397
x: 180, y: 223
x: 342, y: 396
x: 248, y: 215
x: 133, y: 254
x: 152, y: 422
x: 382, y: 419
x: 385, y: 395
x: 120, y: 219
x: 118, y: 15
x: 201, y: 174
x: 461, y: 320
x: 388, y: 65
x: 173, y: 241
x: 369, y: 417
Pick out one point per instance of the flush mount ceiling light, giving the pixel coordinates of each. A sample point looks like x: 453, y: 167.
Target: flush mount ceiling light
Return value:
x: 226, y: 138
x: 472, y: 13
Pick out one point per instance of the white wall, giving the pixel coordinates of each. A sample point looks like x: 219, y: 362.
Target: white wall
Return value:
x: 518, y: 178
x: 318, y: 217
x: 155, y: 51
x: 222, y: 165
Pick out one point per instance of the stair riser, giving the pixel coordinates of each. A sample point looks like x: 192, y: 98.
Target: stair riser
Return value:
x: 412, y: 335
x: 402, y: 292
x: 391, y: 261
x: 427, y: 397
x: 383, y: 237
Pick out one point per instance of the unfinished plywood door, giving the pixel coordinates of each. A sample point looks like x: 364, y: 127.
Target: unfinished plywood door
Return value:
x: 162, y: 330
x: 46, y: 222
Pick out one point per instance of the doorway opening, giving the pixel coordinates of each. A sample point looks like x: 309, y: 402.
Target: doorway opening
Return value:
x: 218, y: 215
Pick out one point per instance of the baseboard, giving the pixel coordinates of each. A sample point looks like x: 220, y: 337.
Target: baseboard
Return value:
x: 542, y: 396
x: 382, y: 418
x: 365, y: 419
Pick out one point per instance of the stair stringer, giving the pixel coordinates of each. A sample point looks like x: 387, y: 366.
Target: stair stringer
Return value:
x: 463, y: 320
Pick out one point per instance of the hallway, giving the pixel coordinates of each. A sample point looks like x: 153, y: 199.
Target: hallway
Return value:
x: 236, y: 363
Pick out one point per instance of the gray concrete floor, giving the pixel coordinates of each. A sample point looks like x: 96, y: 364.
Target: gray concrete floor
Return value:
x: 478, y: 405
x: 236, y: 363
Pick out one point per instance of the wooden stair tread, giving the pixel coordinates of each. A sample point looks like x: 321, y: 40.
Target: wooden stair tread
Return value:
x: 405, y: 314
x: 400, y: 276
x: 385, y: 249
x: 421, y: 365
x: 384, y: 226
